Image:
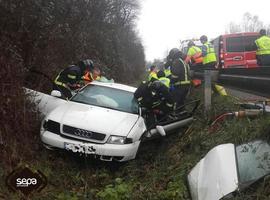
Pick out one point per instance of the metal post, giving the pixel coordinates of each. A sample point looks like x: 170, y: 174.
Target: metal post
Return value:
x: 207, y: 92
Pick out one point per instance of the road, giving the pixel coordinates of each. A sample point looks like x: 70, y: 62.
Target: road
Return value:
x: 242, y: 95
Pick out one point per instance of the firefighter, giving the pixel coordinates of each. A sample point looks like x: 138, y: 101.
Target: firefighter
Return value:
x: 263, y: 49
x: 208, y: 53
x: 163, y: 102
x: 69, y: 78
x: 155, y: 99
x: 153, y: 73
x: 194, y: 55
x: 180, y: 81
x: 144, y: 95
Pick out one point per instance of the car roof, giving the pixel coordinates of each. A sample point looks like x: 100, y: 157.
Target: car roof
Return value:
x: 240, y: 34
x: 115, y: 85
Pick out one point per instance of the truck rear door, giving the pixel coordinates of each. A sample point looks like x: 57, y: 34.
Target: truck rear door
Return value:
x: 234, y: 55
x: 250, y: 50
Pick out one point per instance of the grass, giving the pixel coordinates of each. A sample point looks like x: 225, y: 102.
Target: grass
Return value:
x: 159, y: 171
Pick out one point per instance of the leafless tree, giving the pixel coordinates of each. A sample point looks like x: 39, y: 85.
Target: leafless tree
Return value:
x: 249, y: 23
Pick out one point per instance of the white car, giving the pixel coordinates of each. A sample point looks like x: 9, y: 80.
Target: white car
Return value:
x: 102, y: 119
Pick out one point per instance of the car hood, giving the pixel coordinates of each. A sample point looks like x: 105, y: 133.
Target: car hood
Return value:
x: 93, y: 118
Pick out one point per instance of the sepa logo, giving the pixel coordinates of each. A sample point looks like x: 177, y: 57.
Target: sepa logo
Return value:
x: 26, y: 180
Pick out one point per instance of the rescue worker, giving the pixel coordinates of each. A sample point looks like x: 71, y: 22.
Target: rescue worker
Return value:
x: 92, y: 75
x: 194, y: 55
x: 263, y: 49
x: 163, y: 101
x: 69, y: 78
x: 155, y: 99
x: 162, y: 78
x: 180, y: 81
x: 144, y: 95
x: 208, y: 53
x: 153, y: 73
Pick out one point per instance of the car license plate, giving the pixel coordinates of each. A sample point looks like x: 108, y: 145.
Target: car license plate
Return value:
x: 78, y: 148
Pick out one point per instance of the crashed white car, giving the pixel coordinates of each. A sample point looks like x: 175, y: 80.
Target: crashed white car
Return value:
x: 102, y: 119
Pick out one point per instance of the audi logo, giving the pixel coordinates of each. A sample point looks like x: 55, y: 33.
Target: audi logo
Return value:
x: 83, y: 133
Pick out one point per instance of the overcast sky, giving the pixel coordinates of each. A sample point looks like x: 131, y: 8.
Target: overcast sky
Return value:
x: 162, y: 23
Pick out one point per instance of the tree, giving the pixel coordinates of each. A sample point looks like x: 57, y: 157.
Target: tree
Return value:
x: 48, y: 35
x: 249, y: 24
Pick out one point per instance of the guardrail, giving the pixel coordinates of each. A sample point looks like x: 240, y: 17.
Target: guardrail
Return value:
x: 252, y: 80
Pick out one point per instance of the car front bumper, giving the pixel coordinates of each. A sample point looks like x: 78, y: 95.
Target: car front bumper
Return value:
x: 106, y: 152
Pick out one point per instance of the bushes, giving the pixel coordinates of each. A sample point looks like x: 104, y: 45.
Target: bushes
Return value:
x: 18, y: 123
x: 49, y: 35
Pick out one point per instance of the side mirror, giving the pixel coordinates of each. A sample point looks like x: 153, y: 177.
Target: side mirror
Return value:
x: 161, y: 130
x: 56, y: 93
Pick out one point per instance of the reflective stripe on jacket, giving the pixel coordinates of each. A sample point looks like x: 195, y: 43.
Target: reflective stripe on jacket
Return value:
x: 263, y: 44
x: 70, y: 75
x: 57, y: 82
x: 210, y: 55
x: 186, y: 80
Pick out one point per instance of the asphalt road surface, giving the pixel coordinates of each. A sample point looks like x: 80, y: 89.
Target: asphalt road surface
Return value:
x: 242, y: 95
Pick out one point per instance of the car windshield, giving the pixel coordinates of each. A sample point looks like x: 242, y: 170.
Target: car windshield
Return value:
x: 107, y: 97
x: 253, y: 161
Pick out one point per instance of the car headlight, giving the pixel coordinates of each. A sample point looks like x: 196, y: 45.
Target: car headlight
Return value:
x: 113, y: 139
x: 51, y: 126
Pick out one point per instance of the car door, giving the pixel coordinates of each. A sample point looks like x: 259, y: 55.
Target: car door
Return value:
x: 234, y: 55
x: 250, y: 50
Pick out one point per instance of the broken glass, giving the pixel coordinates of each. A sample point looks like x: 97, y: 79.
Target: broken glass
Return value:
x: 253, y: 162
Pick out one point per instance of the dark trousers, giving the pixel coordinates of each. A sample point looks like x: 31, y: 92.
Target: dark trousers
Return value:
x: 210, y: 65
x: 152, y: 118
x: 66, y: 93
x: 263, y: 60
x: 179, y: 94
